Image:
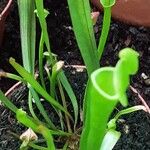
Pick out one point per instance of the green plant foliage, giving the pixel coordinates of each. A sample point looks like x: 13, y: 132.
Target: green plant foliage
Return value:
x: 41, y: 109
x: 41, y: 55
x: 36, y: 126
x: 42, y: 19
x: 30, y: 79
x: 28, y: 32
x: 83, y: 29
x: 107, y: 4
x: 101, y: 98
x: 44, y: 39
x: 71, y: 95
x: 112, y: 122
x: 105, y: 88
x: 110, y: 139
x: 10, y: 76
x: 127, y: 65
x: 7, y: 103
x: 112, y: 136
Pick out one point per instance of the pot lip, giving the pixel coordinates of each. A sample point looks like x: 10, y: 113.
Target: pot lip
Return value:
x: 127, y: 17
x: 4, y: 12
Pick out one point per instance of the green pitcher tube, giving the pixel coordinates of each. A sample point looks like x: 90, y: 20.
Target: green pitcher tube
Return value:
x: 100, y: 93
x: 105, y: 88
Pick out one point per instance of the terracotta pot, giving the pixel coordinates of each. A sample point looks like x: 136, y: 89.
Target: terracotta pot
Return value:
x: 3, y: 17
x: 136, y: 12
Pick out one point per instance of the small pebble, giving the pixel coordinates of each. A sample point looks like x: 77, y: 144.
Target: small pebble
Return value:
x: 147, y: 82
x: 121, y: 121
x: 128, y: 41
x: 133, y: 30
x: 144, y: 76
x: 126, y: 129
x: 147, y: 91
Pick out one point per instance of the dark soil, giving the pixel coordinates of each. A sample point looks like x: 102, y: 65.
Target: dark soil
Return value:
x: 135, y: 127
x: 3, y: 4
x: 10, y: 46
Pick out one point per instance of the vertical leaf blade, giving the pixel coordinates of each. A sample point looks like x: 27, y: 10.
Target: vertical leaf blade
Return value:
x: 71, y: 95
x: 83, y: 29
x: 27, y: 30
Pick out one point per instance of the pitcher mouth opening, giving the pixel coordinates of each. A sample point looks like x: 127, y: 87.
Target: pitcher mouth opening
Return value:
x: 102, y: 80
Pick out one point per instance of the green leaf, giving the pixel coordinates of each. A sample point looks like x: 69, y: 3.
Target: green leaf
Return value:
x: 28, y: 38
x: 41, y: 108
x: 41, y: 49
x: 10, y: 76
x: 42, y: 19
x: 105, y: 31
x: 106, y: 87
x: 30, y: 79
x: 28, y: 32
x: 99, y: 94
x: 110, y: 140
x: 129, y: 110
x: 7, y: 102
x: 127, y: 65
x: 53, y: 80
x: 83, y: 29
x: 107, y: 3
x: 70, y: 93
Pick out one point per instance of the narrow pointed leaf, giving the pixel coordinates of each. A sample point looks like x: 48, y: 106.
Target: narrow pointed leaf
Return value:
x: 70, y: 93
x: 30, y: 79
x: 83, y: 29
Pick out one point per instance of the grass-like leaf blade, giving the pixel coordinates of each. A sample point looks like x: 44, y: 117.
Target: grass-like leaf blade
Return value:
x: 83, y: 29
x: 30, y: 79
x: 70, y: 93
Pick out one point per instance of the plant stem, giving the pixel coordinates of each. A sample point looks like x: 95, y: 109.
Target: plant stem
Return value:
x: 42, y: 20
x: 34, y: 146
x: 105, y: 30
x: 99, y: 102
x: 11, y: 76
x: 64, y: 104
x: 7, y: 102
x: 30, y: 79
x: 129, y: 110
x: 41, y: 61
x: 41, y: 108
x: 31, y: 106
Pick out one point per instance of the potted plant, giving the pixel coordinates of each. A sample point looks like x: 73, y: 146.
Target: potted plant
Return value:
x: 3, y: 15
x: 100, y: 98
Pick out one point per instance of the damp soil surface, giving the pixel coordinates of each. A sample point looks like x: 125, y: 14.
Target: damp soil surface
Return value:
x: 3, y: 3
x: 135, y: 127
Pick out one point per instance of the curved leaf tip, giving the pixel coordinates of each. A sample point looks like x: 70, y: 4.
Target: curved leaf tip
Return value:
x: 107, y: 3
x: 11, y: 60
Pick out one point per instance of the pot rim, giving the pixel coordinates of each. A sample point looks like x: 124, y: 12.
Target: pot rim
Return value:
x: 132, y: 12
x: 5, y: 10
